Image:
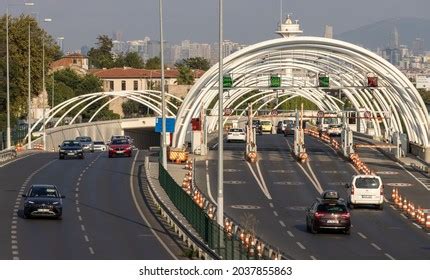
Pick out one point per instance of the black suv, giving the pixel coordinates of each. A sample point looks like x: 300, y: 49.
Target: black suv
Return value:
x: 43, y: 201
x: 71, y: 148
x: 328, y: 212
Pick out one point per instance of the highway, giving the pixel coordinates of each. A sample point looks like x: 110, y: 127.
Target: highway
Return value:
x: 271, y: 198
x: 102, y: 213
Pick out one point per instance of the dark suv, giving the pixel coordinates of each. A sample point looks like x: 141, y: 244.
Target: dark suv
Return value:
x: 328, y: 212
x: 43, y: 200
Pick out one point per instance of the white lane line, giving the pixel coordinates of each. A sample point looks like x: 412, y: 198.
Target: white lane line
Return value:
x: 208, y: 184
x: 301, y: 245
x: 15, y: 258
x: 282, y: 223
x: 13, y: 236
x: 362, y: 235
x: 14, y: 241
x: 76, y: 202
x: 14, y: 247
x: 418, y: 226
x: 290, y: 233
x: 13, y: 232
x: 76, y: 195
x: 86, y: 238
x: 424, y: 185
x: 78, y: 209
x: 263, y: 181
x: 376, y: 246
x: 275, y: 213
x: 313, y: 258
x: 15, y: 253
x: 13, y: 226
x: 140, y: 210
x: 257, y: 180
x: 404, y: 216
x: 394, y: 208
x: 91, y: 250
x: 389, y: 256
x: 77, y: 184
x: 79, y: 178
x: 80, y: 218
x: 82, y: 227
x: 77, y: 189
x: 271, y: 205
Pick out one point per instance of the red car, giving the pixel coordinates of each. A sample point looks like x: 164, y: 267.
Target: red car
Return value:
x: 120, y: 147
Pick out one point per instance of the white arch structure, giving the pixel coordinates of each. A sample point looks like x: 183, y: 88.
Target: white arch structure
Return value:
x: 346, y: 64
x: 149, y: 98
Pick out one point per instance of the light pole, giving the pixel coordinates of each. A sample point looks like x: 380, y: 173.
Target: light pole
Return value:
x: 43, y: 84
x: 29, y: 87
x: 8, y: 140
x: 220, y: 191
x: 163, y: 97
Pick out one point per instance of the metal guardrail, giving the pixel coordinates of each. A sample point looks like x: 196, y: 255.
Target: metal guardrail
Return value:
x: 8, y: 154
x: 228, y: 243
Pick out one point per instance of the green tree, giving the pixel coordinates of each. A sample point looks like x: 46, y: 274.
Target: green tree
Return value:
x: 425, y: 95
x: 153, y: 63
x: 185, y: 76
x: 194, y: 63
x: 101, y: 56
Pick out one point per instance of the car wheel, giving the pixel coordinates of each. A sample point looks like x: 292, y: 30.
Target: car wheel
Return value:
x: 350, y: 205
x: 60, y: 157
x: 381, y: 206
x: 313, y: 229
x: 347, y: 231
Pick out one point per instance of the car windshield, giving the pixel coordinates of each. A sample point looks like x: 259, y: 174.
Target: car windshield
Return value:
x: 330, y: 120
x: 265, y: 123
x: 236, y: 130
x: 99, y: 143
x: 83, y: 139
x: 332, y: 208
x: 71, y: 144
x: 43, y: 192
x: 120, y: 141
x: 367, y: 183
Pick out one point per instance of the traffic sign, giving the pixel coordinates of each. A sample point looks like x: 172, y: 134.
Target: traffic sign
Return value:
x: 227, y: 81
x: 275, y: 81
x: 367, y: 114
x: 227, y: 111
x: 274, y: 112
x: 320, y: 114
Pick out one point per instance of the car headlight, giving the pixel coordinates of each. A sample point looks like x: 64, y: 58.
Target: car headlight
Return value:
x: 62, y: 151
x: 79, y: 151
x: 30, y: 202
x: 55, y: 203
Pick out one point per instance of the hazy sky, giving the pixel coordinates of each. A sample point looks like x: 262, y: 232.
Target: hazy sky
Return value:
x: 246, y: 21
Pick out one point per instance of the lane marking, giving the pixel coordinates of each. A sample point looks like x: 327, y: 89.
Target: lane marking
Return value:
x: 376, y: 246
x: 275, y: 213
x: 282, y: 223
x: 256, y: 178
x: 208, y: 184
x: 263, y: 181
x: 301, y: 245
x: 404, y: 216
x: 86, y: 238
x: 140, y: 210
x: 77, y: 189
x: 394, y: 208
x: 82, y: 227
x: 418, y: 226
x: 15, y: 253
x: 313, y: 258
x: 362, y: 235
x: 91, y: 250
x: 80, y: 218
x: 271, y: 205
x: 78, y: 209
x: 389, y: 256
x: 290, y: 233
x: 77, y: 184
x: 76, y: 195
x: 424, y: 185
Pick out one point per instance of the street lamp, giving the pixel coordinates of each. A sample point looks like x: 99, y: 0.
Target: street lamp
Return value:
x: 43, y: 84
x: 163, y: 97
x: 220, y: 190
x: 8, y: 140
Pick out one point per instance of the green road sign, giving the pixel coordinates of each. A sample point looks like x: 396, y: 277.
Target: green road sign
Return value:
x: 227, y: 82
x: 275, y: 81
x: 324, y: 81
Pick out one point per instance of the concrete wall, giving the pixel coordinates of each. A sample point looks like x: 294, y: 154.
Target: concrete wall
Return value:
x: 422, y: 152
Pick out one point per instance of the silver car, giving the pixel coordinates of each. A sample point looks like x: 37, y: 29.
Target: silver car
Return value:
x: 99, y: 146
x: 86, y: 143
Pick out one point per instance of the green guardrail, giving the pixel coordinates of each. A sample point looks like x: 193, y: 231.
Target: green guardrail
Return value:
x: 227, y: 245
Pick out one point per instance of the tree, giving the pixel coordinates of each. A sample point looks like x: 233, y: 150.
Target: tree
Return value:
x: 195, y: 63
x: 425, y: 95
x: 153, y: 63
x: 101, y: 56
x: 185, y: 76
x: 131, y: 59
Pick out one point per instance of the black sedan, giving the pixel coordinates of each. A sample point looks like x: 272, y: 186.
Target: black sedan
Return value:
x: 43, y: 201
x: 328, y: 214
x: 71, y: 148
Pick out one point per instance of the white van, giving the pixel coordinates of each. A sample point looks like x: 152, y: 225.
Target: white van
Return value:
x: 365, y: 190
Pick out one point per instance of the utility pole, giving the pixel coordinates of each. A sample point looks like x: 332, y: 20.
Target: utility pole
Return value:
x: 220, y: 191
x: 163, y: 96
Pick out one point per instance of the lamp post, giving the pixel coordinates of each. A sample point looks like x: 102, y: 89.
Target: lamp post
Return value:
x: 43, y: 84
x: 163, y: 97
x: 220, y: 190
x: 29, y: 87
x: 8, y: 138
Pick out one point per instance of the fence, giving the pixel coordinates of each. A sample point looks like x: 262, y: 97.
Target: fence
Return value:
x: 227, y: 243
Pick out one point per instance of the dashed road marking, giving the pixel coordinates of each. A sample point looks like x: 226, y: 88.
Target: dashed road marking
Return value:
x: 275, y: 213
x: 393, y: 207
x: 76, y: 195
x: 387, y: 172
x: 77, y: 184
x: 14, y: 241
x: 86, y: 238
x: 301, y: 245
x: 77, y: 189
x: 245, y: 207
x: 286, y: 183
x: 290, y: 233
x: 404, y: 216
x: 15, y: 253
x: 82, y: 227
x: 362, y: 235
x: 389, y: 256
x: 15, y: 258
x: 78, y: 209
x: 14, y: 247
x: 399, y: 185
x: 271, y: 205
x: 376, y: 246
x: 91, y: 250
x: 80, y: 218
x: 418, y: 226
x: 234, y: 182
x: 282, y: 223
x: 313, y: 258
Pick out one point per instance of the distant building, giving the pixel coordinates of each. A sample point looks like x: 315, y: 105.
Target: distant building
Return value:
x: 418, y: 46
x: 76, y: 62
x: 394, y: 39
x: 422, y: 82
x: 328, y: 33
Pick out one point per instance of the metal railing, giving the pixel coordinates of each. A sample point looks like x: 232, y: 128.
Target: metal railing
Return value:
x: 8, y: 154
x: 228, y: 243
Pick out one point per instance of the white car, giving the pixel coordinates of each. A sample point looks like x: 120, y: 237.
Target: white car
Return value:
x: 365, y: 190
x: 99, y: 146
x: 334, y: 129
x: 236, y: 134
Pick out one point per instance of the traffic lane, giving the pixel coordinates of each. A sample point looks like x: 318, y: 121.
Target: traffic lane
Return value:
x: 12, y: 177
x: 112, y: 222
x: 387, y: 229
x: 395, y: 176
x: 246, y: 203
x: 291, y: 200
x: 45, y: 238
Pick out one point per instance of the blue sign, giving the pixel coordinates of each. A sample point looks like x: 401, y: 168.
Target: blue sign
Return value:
x: 170, y: 125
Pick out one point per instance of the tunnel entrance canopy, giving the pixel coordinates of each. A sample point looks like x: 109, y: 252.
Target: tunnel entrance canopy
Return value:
x: 311, y: 67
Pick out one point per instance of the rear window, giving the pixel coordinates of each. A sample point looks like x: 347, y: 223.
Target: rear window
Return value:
x: 71, y: 144
x: 119, y: 141
x: 84, y: 139
x: 332, y: 208
x: 236, y: 130
x: 367, y: 183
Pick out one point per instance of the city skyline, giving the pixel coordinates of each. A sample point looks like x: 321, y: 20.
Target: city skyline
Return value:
x: 197, y: 20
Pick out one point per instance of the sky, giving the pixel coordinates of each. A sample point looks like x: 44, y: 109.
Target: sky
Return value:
x: 245, y: 21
